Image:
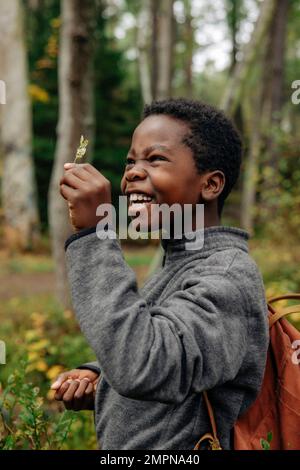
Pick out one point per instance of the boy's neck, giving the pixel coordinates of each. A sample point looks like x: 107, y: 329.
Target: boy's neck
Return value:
x: 211, y: 217
x: 210, y: 220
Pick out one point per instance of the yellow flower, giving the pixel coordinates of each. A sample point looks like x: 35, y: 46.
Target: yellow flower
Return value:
x: 30, y: 335
x: 39, y: 345
x: 50, y: 394
x: 38, y: 94
x: 38, y: 319
x: 41, y: 366
x: 55, y: 23
x: 54, y: 371
x: 33, y: 356
x: 39, y: 401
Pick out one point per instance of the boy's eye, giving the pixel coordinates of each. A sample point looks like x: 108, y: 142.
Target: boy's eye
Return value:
x: 152, y: 158
x: 156, y: 157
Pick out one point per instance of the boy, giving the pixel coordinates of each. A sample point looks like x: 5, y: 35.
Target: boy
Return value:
x: 200, y: 323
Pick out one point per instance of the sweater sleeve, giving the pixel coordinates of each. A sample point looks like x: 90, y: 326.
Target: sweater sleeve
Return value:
x: 94, y: 366
x: 194, y: 340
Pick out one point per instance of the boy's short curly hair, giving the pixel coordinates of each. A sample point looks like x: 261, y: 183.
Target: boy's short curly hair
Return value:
x: 213, y: 138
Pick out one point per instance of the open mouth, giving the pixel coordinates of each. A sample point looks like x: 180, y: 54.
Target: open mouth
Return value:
x: 139, y: 198
x: 139, y: 201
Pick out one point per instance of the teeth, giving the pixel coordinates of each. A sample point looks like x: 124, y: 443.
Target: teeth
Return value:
x: 139, y: 197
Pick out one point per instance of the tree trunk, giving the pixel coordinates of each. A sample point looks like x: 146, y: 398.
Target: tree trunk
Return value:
x: 154, y: 47
x: 162, y: 51
x: 189, y: 44
x: 19, y: 196
x: 76, y: 118
x: 250, y: 176
x: 272, y: 111
x: 233, y: 20
x: 238, y: 79
x: 266, y: 119
x: 275, y: 68
x: 142, y: 43
x: 165, y: 49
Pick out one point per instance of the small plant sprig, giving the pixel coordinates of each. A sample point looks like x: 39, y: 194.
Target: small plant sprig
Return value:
x: 266, y: 444
x: 81, y: 151
x: 24, y: 424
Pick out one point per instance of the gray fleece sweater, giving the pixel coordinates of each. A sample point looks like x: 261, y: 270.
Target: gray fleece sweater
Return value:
x: 199, y: 323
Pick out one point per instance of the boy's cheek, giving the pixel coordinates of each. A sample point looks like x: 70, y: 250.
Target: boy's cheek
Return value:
x: 123, y: 184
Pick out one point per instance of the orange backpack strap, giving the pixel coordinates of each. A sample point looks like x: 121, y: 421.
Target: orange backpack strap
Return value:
x: 212, y: 438
x: 284, y: 297
x: 277, y: 314
x: 273, y: 317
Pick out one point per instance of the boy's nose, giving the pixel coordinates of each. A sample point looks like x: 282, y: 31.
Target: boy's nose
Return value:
x: 135, y: 174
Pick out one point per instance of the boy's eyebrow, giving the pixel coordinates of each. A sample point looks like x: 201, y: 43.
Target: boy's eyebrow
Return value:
x: 150, y: 149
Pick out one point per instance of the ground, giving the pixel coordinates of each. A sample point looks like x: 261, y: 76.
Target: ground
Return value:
x: 29, y: 274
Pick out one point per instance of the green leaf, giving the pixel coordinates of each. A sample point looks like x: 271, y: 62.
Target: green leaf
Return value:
x: 264, y: 444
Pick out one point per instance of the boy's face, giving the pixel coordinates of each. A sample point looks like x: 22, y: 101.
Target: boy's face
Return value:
x: 160, y: 166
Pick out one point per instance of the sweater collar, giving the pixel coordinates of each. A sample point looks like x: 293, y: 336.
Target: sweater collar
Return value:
x: 210, y: 239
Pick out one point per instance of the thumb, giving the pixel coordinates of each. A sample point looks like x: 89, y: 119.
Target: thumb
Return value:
x: 59, y: 381
x: 67, y: 166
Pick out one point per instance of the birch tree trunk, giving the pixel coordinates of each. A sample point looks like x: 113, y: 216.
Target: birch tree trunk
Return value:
x: 142, y: 46
x: 234, y: 90
x: 165, y: 49
x: 154, y: 47
x: 189, y: 44
x: 162, y: 52
x: 76, y: 118
x: 19, y: 196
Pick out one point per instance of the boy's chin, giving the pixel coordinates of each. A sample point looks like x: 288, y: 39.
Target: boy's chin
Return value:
x: 145, y: 226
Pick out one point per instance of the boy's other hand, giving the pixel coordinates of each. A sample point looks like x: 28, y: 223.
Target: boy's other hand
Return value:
x: 85, y: 188
x: 76, y: 388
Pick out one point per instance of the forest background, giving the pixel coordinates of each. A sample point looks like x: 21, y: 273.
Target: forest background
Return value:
x: 75, y: 67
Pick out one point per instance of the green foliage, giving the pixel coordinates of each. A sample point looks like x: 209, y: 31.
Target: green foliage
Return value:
x: 35, y: 327
x: 24, y: 423
x: 117, y: 100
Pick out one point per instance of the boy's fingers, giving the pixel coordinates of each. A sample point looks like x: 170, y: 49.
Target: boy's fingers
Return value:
x: 78, y: 402
x: 62, y: 390
x: 71, y: 180
x: 68, y: 166
x: 87, y: 402
x: 59, y: 381
x: 69, y: 394
x: 89, y: 389
x: 67, y: 192
x: 81, y: 173
x: 84, y: 383
x: 90, y: 168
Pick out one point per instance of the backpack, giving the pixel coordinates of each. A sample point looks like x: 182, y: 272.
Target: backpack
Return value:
x: 273, y: 420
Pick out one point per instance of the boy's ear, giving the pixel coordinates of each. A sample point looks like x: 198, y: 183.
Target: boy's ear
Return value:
x: 213, y: 183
